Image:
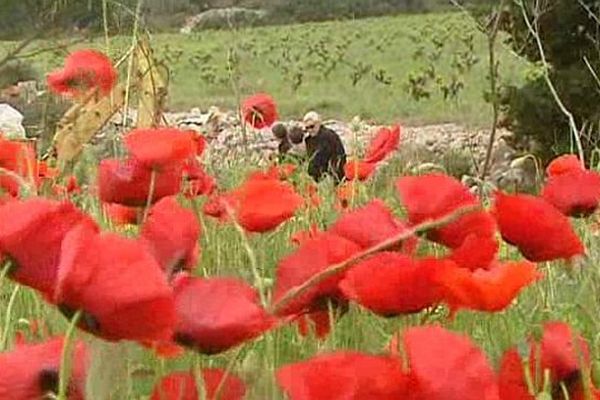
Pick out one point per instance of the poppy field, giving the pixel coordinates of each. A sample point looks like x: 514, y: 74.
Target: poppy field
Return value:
x: 155, y: 274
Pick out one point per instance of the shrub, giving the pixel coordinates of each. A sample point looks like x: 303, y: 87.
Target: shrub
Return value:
x: 568, y: 34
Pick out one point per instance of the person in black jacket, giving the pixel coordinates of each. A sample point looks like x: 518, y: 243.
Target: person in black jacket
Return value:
x: 324, y: 148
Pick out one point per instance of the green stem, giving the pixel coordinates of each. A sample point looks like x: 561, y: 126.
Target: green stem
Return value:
x: 150, y: 195
x: 5, y: 271
x: 258, y: 280
x: 65, y: 358
x: 7, y: 317
x: 228, y: 370
x: 197, y: 370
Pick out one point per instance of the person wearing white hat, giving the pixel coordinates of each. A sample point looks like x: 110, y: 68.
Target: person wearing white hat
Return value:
x: 324, y: 149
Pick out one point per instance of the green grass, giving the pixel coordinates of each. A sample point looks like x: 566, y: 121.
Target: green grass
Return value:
x: 569, y: 296
x: 270, y: 59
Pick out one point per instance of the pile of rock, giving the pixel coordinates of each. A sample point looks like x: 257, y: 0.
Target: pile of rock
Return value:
x: 440, y: 147
x: 218, y: 18
x: 432, y: 142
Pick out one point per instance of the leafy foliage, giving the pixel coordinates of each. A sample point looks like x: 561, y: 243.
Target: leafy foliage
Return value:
x: 569, y: 35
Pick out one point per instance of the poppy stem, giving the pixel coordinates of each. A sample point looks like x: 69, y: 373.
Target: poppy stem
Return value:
x: 341, y: 267
x: 7, y: 317
x: 227, y: 372
x: 5, y: 271
x: 258, y: 280
x: 66, y: 359
x: 150, y: 195
x: 198, y: 377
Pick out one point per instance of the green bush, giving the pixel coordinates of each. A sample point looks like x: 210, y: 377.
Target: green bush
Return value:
x: 13, y: 72
x: 568, y: 35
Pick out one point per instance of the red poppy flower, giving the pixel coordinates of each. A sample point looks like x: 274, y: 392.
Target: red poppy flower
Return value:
x: 371, y: 225
x: 539, y: 230
x: 83, y: 70
x: 300, y: 237
x: 445, y: 365
x: 31, y: 235
x: 199, y: 183
x: 71, y: 187
x: 263, y: 205
x: 216, y: 206
x: 283, y: 171
x: 391, y: 284
x: 160, y: 146
x: 171, y: 235
x: 117, y: 284
x: 575, y: 193
x: 128, y: 182
x: 259, y: 110
x: 44, y: 171
x: 312, y: 196
x: 476, y: 252
x: 344, y: 375
x: 433, y: 196
x: 344, y: 194
x: 216, y: 314
x: 280, y: 172
x: 562, y: 164
x: 557, y: 352
x: 182, y: 386
x: 319, y: 320
x: 359, y: 170
x: 386, y: 140
x: 163, y: 348
x: 311, y: 258
x: 485, y: 290
x: 200, y: 187
x: 122, y: 215
x: 31, y: 371
x: 19, y: 158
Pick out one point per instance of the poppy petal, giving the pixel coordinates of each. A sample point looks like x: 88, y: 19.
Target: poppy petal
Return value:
x: 31, y: 371
x: 433, y: 196
x: 446, y: 365
x: 259, y: 110
x: 343, y: 375
x: 311, y: 258
x: 370, y: 225
x: 216, y: 314
x: 31, y: 234
x: 386, y: 140
x: 118, y: 285
x: 391, y: 284
x: 485, y: 290
x: 182, y: 386
x: 160, y: 146
x: 127, y: 182
x: 539, y: 230
x: 574, y: 193
x: 171, y: 234
x: 83, y: 70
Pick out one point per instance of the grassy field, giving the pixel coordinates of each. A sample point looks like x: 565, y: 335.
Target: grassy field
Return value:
x: 565, y: 294
x: 342, y: 69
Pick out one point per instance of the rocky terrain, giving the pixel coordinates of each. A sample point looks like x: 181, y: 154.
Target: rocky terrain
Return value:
x: 449, y: 147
